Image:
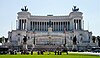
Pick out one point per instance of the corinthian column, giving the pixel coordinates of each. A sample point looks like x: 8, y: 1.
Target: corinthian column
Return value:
x: 21, y: 24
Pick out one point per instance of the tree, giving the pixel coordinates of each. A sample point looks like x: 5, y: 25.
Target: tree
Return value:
x: 3, y: 39
x: 0, y: 40
x: 98, y: 38
x: 93, y: 39
x: 6, y: 39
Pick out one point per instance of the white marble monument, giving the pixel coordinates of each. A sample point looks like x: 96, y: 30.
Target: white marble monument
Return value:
x: 73, y: 25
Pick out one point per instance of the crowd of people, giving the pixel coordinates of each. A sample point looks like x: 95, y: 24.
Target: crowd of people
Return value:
x: 39, y: 51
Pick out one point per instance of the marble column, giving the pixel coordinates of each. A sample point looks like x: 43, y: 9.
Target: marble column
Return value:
x: 42, y: 26
x: 22, y: 24
x: 66, y: 25
x: 39, y: 26
x: 80, y: 24
x: 60, y: 26
x: 75, y: 24
x: 57, y: 25
x: 36, y: 25
x: 54, y: 26
x: 25, y: 25
x: 32, y: 26
x: 19, y: 25
x: 45, y: 26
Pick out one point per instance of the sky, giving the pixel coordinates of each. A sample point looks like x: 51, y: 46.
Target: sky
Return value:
x: 10, y: 8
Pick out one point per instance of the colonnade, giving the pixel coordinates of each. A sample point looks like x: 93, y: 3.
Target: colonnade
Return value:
x: 22, y: 24
x: 43, y: 26
x: 77, y: 25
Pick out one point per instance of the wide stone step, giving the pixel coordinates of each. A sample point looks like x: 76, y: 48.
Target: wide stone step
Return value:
x: 46, y: 46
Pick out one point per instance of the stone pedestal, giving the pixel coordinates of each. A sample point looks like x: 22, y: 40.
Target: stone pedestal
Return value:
x: 25, y: 46
x: 33, y: 46
x: 74, y: 47
x: 49, y: 29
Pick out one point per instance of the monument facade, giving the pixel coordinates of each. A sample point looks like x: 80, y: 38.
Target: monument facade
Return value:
x: 51, y: 31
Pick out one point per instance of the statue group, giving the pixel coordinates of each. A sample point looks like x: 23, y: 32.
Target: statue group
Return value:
x: 24, y: 9
x: 75, y: 9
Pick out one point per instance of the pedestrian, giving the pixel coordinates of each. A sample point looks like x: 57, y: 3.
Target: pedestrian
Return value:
x: 32, y: 52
